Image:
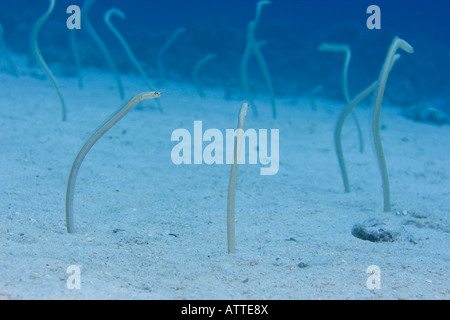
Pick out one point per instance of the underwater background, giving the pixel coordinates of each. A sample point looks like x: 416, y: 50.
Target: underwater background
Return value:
x: 149, y: 227
x: 292, y: 31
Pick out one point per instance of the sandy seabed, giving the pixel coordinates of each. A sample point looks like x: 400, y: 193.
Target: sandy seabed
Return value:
x: 148, y: 229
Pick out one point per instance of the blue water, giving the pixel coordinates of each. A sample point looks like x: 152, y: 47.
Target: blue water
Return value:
x: 293, y: 30
x: 161, y: 226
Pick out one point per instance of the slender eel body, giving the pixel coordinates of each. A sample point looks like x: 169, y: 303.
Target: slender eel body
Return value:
x: 108, y: 124
x: 391, y: 57
x: 129, y: 52
x: 123, y: 42
x: 343, y: 48
x: 253, y: 47
x: 38, y: 55
x: 233, y: 176
x: 102, y: 46
x: 338, y: 132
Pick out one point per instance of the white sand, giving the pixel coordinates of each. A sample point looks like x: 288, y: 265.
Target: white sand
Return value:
x: 170, y: 222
